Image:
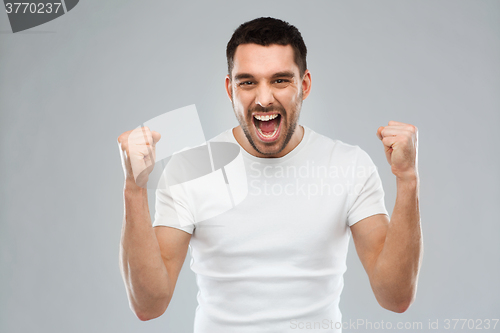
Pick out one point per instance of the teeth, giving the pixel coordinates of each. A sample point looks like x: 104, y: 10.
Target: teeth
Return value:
x: 266, y: 118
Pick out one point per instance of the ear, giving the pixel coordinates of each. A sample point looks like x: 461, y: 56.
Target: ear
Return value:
x: 229, y: 90
x: 306, y: 84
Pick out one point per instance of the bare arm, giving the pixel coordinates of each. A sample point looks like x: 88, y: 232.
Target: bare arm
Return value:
x: 150, y: 261
x: 391, y: 252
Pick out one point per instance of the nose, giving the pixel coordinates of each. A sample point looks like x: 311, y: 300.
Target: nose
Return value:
x: 264, y: 96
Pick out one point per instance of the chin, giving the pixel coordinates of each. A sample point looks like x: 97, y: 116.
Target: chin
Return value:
x: 269, y: 146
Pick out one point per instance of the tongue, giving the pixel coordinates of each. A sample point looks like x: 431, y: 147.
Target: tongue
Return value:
x: 268, y: 127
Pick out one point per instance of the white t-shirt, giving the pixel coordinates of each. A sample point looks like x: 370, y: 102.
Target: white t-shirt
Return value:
x: 275, y: 261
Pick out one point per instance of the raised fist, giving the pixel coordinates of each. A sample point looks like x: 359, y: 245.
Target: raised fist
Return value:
x: 401, y: 148
x: 138, y: 153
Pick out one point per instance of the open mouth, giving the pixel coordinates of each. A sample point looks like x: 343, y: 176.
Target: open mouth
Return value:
x: 267, y: 125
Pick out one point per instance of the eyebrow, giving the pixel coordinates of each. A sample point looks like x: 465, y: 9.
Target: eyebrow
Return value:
x: 242, y: 76
x: 286, y: 74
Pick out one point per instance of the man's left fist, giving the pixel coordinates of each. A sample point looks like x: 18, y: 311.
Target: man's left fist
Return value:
x: 401, y: 148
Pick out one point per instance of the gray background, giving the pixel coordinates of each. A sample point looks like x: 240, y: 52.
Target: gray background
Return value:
x: 68, y: 88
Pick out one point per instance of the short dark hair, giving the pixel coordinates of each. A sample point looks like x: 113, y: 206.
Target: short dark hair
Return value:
x: 267, y: 31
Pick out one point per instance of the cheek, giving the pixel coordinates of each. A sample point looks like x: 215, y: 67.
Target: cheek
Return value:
x: 238, y: 106
x: 288, y: 97
x: 241, y: 100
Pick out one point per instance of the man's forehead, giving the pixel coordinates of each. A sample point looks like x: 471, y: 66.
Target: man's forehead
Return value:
x: 259, y: 60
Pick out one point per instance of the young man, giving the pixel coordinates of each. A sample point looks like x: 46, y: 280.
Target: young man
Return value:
x: 276, y: 261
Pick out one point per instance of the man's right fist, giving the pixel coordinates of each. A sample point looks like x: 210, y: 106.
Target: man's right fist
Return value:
x: 138, y: 153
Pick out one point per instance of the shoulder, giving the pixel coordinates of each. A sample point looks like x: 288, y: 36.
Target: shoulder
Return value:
x: 338, y: 152
x: 226, y: 136
x: 334, y: 147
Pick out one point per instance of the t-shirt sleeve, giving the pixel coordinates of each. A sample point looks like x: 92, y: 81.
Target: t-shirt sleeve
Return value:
x: 367, y: 196
x: 172, y: 212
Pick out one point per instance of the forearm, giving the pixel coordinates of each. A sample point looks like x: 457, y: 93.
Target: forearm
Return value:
x: 142, y: 267
x: 396, y: 270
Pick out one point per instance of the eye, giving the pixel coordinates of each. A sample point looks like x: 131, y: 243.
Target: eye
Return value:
x: 245, y: 83
x: 281, y: 83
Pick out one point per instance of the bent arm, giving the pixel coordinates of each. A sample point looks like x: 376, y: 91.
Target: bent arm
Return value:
x: 149, y: 275
x: 392, y: 252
